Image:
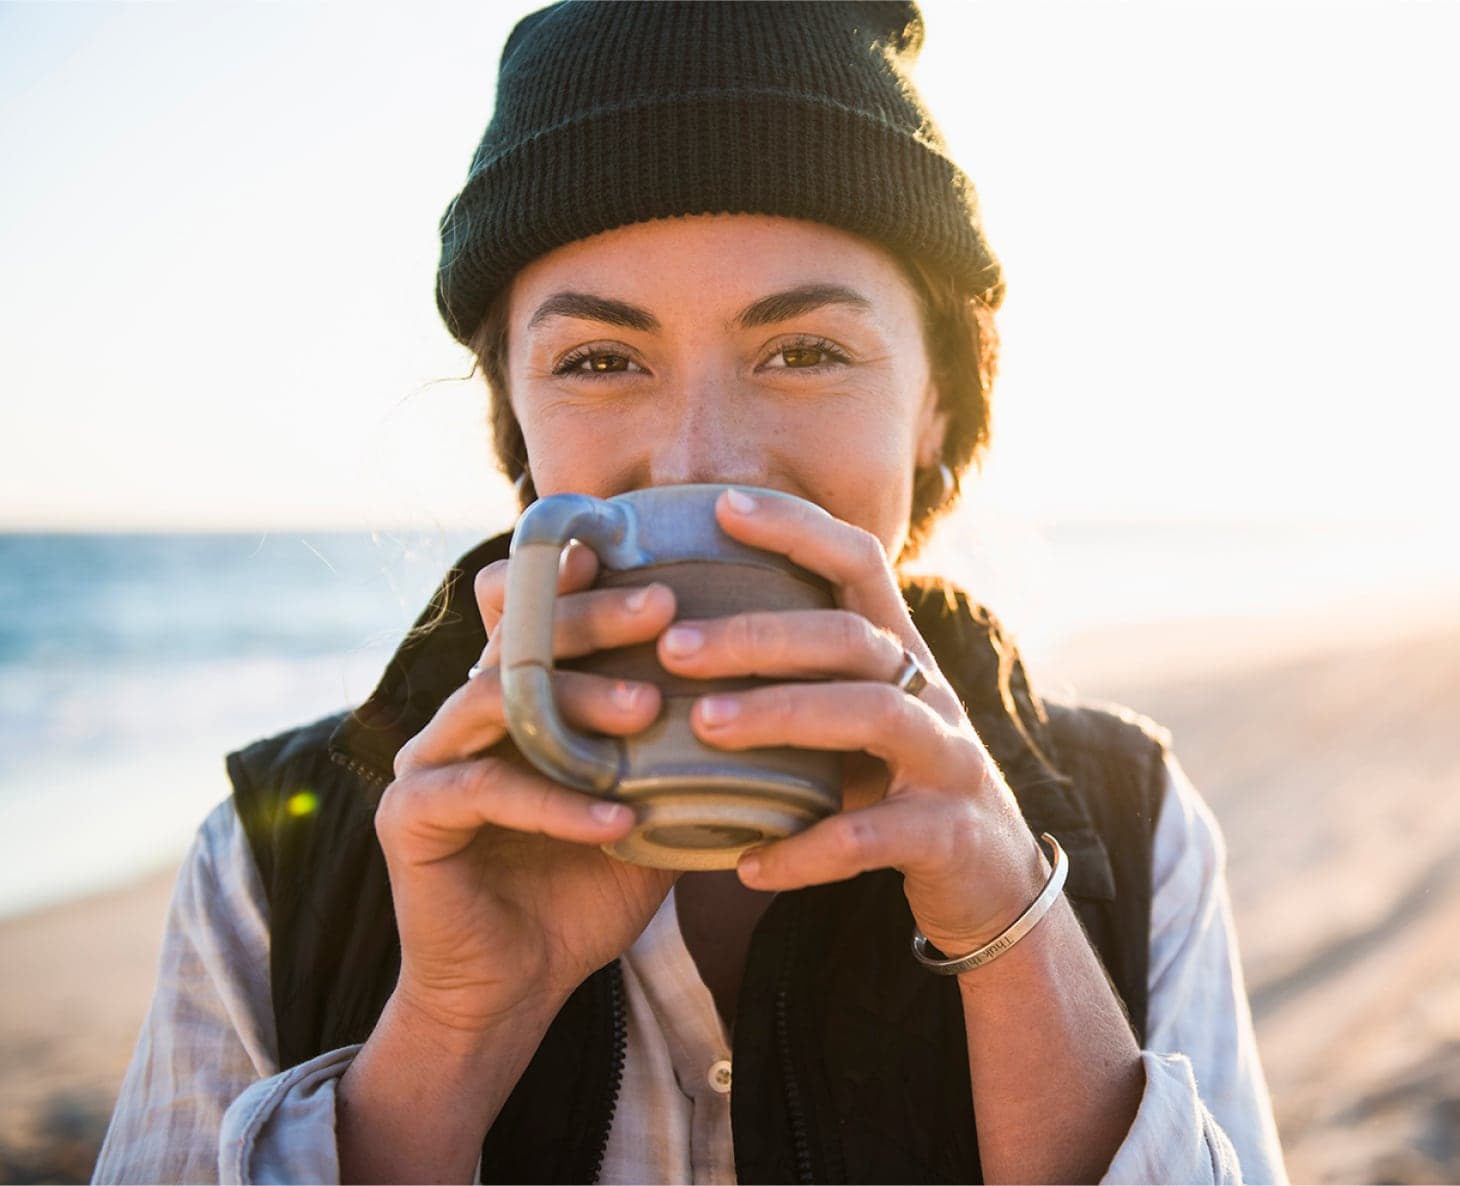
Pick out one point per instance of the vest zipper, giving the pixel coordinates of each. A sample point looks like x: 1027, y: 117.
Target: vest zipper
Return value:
x: 618, y: 1020
x: 799, y: 1141
x: 369, y: 774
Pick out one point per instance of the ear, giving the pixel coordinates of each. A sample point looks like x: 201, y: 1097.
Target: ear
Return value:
x: 932, y: 427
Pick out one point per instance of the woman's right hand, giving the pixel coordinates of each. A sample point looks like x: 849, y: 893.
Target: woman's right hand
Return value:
x: 502, y: 895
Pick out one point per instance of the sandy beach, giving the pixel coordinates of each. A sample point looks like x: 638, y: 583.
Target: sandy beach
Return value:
x: 75, y: 980
x: 1328, y: 748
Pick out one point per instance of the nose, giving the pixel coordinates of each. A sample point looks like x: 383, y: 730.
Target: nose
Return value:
x: 709, y: 432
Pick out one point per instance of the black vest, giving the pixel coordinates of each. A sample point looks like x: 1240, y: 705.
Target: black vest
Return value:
x: 850, y: 1061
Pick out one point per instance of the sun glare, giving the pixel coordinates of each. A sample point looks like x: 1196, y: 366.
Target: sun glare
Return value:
x: 1230, y: 268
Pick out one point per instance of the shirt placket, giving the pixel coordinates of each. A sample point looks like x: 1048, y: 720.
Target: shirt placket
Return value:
x: 698, y: 1044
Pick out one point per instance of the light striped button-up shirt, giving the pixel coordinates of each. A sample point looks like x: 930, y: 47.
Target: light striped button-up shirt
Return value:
x: 204, y: 1098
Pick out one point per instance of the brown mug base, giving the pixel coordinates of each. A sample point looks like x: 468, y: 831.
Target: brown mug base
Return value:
x: 708, y: 827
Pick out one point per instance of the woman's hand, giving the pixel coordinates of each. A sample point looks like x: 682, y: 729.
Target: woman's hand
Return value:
x: 502, y: 895
x: 921, y: 793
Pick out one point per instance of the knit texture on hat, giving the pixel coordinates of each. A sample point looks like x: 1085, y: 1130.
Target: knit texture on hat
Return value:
x: 611, y: 112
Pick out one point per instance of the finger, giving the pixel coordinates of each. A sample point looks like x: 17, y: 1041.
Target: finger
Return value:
x: 433, y: 812
x: 602, y: 619
x: 793, y: 643
x: 577, y: 569
x: 595, y: 619
x: 472, y: 718
x: 965, y: 877
x: 897, y: 833
x: 878, y: 719
x: 851, y: 557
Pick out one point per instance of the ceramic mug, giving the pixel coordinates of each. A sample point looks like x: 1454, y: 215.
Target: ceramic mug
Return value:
x: 696, y: 807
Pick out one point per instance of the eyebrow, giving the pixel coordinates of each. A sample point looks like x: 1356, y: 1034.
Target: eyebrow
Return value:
x: 588, y: 307
x: 779, y: 306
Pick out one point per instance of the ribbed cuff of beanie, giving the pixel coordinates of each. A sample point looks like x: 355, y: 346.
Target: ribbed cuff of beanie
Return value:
x: 769, y: 152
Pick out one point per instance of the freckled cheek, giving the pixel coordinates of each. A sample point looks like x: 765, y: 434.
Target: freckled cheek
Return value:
x: 572, y: 449
x: 860, y: 472
x: 876, y: 502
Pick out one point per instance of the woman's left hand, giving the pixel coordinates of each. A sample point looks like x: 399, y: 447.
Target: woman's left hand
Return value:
x: 921, y: 793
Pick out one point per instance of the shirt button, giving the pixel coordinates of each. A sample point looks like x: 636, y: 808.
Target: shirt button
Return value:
x: 719, y: 1076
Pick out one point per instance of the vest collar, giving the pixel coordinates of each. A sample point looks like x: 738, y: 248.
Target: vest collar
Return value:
x: 430, y: 663
x: 979, y: 659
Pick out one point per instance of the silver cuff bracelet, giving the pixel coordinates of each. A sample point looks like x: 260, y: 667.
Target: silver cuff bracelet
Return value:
x: 1020, y: 927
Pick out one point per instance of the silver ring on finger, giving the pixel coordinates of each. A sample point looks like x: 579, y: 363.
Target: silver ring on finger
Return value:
x: 474, y: 670
x: 910, y: 677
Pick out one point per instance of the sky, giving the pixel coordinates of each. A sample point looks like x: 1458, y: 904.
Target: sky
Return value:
x: 1228, y: 229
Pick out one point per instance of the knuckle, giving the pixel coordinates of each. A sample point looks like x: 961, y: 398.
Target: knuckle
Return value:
x: 866, y: 551
x: 390, y: 810
x: 489, y: 587
x: 594, y: 620
x: 781, y: 704
x: 766, y: 635
x: 888, y: 707
x: 540, y: 803
x: 955, y: 835
x: 852, y: 632
x: 488, y: 583
x: 486, y: 685
x: 739, y: 635
x: 464, y: 779
x: 404, y: 761
x: 855, y: 840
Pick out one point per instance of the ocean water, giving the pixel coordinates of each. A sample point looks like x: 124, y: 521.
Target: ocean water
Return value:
x: 130, y: 664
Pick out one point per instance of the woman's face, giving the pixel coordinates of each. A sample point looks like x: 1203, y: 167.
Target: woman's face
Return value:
x: 725, y: 348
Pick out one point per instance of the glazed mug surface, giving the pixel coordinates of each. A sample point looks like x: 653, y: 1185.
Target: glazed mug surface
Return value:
x: 696, y: 807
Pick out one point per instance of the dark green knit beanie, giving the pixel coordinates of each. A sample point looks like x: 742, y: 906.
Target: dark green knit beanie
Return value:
x: 612, y: 112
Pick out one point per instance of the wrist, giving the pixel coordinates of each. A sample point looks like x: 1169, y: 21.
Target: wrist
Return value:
x: 441, y: 1023
x: 1024, y: 875
x: 424, y: 1090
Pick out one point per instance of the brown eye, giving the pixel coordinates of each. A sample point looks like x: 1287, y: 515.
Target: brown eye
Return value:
x: 596, y: 362
x: 807, y: 354
x: 802, y: 356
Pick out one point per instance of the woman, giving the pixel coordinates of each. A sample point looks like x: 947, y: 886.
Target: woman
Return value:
x: 711, y: 243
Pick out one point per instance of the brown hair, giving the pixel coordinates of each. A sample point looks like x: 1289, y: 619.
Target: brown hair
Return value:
x: 962, y: 342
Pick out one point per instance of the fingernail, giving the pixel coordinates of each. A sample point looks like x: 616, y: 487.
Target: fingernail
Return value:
x: 716, y: 710
x: 638, y: 599
x: 626, y: 695
x: 749, y: 867
x: 683, y: 640
x: 609, y: 813
x: 740, y: 502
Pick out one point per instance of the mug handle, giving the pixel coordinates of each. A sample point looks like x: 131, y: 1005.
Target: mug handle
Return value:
x: 533, y: 719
